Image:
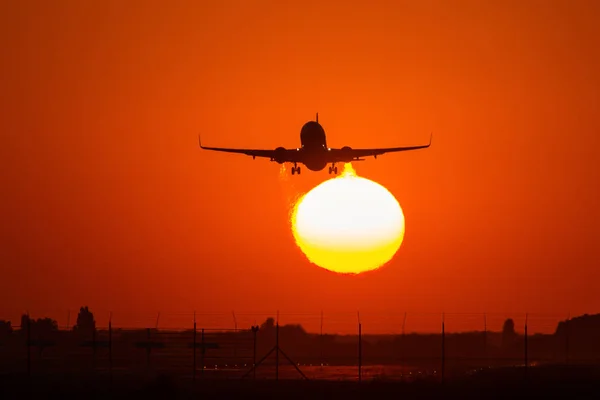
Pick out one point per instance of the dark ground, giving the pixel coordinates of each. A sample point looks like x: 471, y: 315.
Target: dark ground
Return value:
x: 549, y: 382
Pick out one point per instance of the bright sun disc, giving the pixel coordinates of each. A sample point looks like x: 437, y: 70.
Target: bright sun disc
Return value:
x: 348, y: 224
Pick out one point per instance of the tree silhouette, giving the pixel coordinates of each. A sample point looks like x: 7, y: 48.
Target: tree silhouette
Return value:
x: 5, y: 328
x: 41, y: 326
x: 86, y: 324
x: 508, y: 333
x: 44, y: 325
x: 268, y: 325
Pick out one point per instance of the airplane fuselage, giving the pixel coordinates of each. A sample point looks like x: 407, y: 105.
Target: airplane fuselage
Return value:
x: 314, y: 146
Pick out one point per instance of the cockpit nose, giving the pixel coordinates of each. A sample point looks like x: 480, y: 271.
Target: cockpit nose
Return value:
x: 312, y: 134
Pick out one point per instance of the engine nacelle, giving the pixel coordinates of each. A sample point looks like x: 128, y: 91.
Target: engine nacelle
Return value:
x: 346, y: 154
x: 279, y: 155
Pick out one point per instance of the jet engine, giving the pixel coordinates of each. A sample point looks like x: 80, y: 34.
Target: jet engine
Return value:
x: 279, y: 155
x: 346, y: 151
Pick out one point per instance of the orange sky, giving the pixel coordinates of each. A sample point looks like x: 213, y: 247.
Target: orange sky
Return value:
x: 107, y: 200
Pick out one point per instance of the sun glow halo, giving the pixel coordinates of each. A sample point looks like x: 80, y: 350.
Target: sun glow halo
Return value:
x: 348, y: 224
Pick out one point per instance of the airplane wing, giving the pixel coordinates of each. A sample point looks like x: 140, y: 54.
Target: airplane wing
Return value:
x: 280, y: 154
x: 347, y: 154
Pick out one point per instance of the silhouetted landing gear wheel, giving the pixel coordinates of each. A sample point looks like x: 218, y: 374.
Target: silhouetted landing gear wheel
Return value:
x: 296, y: 170
x: 333, y: 169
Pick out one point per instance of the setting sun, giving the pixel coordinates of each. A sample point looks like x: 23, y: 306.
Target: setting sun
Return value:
x: 348, y: 224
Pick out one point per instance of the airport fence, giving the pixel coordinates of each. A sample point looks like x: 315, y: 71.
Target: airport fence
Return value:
x: 284, y: 348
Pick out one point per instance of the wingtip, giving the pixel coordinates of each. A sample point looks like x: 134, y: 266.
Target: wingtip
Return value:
x: 200, y: 141
x: 430, y: 138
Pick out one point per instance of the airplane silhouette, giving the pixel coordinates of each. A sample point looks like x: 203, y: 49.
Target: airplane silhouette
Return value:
x: 314, y: 153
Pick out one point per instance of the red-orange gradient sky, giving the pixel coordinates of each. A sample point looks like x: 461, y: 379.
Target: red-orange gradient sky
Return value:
x: 108, y: 201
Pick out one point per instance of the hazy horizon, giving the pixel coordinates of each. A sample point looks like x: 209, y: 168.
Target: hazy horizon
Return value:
x: 334, y: 323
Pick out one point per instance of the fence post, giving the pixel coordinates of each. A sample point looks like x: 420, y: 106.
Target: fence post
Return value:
x: 202, y: 354
x: 235, y: 338
x: 254, y: 330
x: 526, y: 352
x: 443, y: 347
x: 94, y: 349
x: 194, y: 351
x: 567, y: 339
x: 148, y: 349
x: 277, y: 350
x: 402, y: 345
x: 28, y: 339
x: 110, y: 358
x: 359, y: 352
x: 321, y: 340
x: 485, y: 353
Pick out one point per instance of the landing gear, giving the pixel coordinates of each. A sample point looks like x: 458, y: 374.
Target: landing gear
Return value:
x: 296, y: 170
x: 333, y: 169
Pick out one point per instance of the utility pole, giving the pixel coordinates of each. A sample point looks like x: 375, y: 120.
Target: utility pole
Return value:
x: 567, y: 323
